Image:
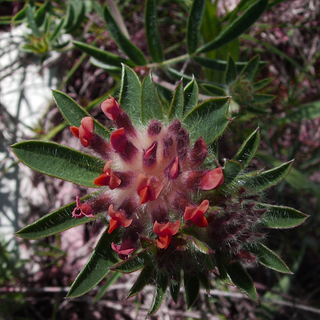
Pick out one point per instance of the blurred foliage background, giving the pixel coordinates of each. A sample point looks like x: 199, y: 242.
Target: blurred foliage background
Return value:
x: 79, y: 46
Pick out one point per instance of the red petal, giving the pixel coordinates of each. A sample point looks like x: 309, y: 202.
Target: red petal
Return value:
x: 174, y: 169
x: 212, y: 179
x: 150, y: 155
x: 118, y: 140
x: 111, y: 108
x: 75, y: 131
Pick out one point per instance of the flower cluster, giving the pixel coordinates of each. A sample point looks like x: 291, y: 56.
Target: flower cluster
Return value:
x: 152, y: 175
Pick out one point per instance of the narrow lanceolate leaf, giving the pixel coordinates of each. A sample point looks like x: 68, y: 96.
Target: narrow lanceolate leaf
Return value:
x: 142, y: 280
x: 237, y: 27
x: 177, y: 103
x: 41, y: 13
x: 134, y: 263
x: 79, y: 16
x: 241, y: 279
x: 122, y: 41
x: 70, y: 15
x: 175, y: 287
x: 191, y: 94
x: 223, y: 275
x: 201, y: 246
x: 101, y: 55
x: 248, y: 149
x: 231, y: 170
x: 32, y: 23
x: 73, y: 113
x: 194, y: 24
x: 279, y: 217
x: 261, y: 84
x: 54, y: 222
x: 263, y: 98
x: 268, y: 258
x: 159, y: 292
x: 249, y: 72
x: 102, y: 258
x: 268, y: 178
x: 56, y: 32
x: 231, y: 72
x: 130, y: 93
x: 59, y: 161
x: 218, y: 65
x: 152, y: 32
x: 205, y: 280
x: 150, y: 104
x: 192, y: 287
x: 208, y: 119
x: 213, y: 90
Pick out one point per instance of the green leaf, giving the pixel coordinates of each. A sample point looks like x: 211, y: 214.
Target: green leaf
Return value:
x: 242, y: 280
x: 152, y: 32
x: 307, y: 111
x: 208, y: 119
x: 194, y: 24
x: 79, y: 16
x: 113, y: 70
x: 267, y: 257
x: 175, y: 283
x: 150, y: 104
x: 223, y: 275
x: 231, y: 72
x: 205, y: 280
x: 54, y: 222
x: 102, y: 258
x: 101, y: 55
x: 231, y: 170
x: 177, y: 103
x: 73, y: 113
x: 192, y: 287
x: 201, y: 246
x: 279, y: 217
x: 41, y: 13
x: 217, y: 65
x: 263, y: 98
x: 56, y: 32
x: 191, y: 94
x: 122, y: 41
x: 32, y: 23
x: 134, y: 263
x: 20, y: 14
x: 261, y: 84
x: 213, y: 90
x: 159, y: 292
x: 59, y: 161
x: 249, y: 72
x: 105, y: 288
x: 70, y: 15
x: 296, y: 179
x: 142, y: 280
x: 248, y: 149
x: 268, y: 178
x: 237, y: 27
x: 130, y: 93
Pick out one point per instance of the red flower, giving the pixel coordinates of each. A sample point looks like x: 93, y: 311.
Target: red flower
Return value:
x: 84, y: 132
x: 108, y: 178
x: 147, y: 188
x: 165, y: 232
x: 118, y: 219
x: 82, y: 210
x: 124, y: 249
x: 196, y: 214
